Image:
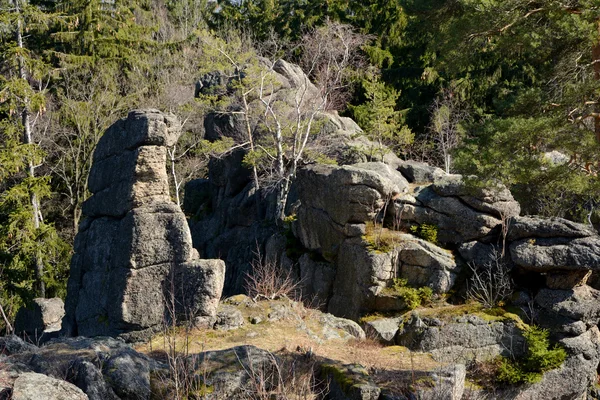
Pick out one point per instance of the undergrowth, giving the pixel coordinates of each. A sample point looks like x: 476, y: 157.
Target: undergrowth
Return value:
x: 379, y: 239
x: 540, y: 358
x: 426, y: 232
x: 413, y: 297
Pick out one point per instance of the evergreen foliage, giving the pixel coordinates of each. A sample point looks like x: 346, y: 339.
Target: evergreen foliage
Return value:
x: 503, y: 89
x: 539, y: 359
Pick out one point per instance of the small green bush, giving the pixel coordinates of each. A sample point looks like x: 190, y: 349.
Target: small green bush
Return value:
x: 426, y: 232
x: 413, y: 297
x: 539, y: 359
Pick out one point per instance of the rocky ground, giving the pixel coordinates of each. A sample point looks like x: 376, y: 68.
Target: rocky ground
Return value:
x: 256, y: 348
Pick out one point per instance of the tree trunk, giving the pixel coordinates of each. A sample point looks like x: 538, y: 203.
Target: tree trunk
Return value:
x: 27, y: 139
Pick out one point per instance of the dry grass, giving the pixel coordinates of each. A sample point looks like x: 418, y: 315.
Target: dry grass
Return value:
x: 300, y: 337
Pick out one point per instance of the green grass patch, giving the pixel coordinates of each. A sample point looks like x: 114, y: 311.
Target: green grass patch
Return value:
x: 413, y: 297
x: 379, y: 239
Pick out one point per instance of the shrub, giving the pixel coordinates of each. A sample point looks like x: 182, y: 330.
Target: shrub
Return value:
x: 426, y: 232
x: 413, y: 297
x: 490, y: 283
x: 269, y: 280
x: 539, y: 359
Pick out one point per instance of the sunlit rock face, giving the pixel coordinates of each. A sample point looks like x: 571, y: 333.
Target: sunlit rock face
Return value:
x: 133, y: 251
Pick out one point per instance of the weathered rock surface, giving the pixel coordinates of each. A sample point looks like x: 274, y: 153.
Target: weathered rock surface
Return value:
x: 558, y: 253
x: 43, y: 316
x: 349, y: 382
x: 464, y: 339
x: 32, y: 386
x: 539, y: 227
x: 132, y: 237
x: 461, y: 211
x: 383, y: 329
x: 424, y: 264
x: 333, y: 199
x: 102, y: 368
x: 570, y: 311
x: 419, y: 172
x: 235, y: 373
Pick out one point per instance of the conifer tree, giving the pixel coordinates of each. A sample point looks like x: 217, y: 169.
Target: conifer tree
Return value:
x: 32, y: 256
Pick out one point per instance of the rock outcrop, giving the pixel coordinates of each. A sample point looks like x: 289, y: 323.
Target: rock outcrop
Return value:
x: 44, y: 316
x: 359, y: 230
x: 134, y: 249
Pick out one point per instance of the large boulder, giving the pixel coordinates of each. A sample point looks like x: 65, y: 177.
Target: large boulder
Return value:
x: 42, y: 316
x: 557, y: 253
x: 423, y: 263
x: 336, y: 199
x: 103, y: 367
x: 236, y: 372
x: 32, y: 386
x: 464, y: 338
x: 460, y: 210
x: 363, y: 273
x: 574, y: 377
x: 540, y: 227
x: 571, y: 311
x: 132, y: 237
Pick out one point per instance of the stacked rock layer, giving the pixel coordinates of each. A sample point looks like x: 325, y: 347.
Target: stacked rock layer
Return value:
x: 133, y: 251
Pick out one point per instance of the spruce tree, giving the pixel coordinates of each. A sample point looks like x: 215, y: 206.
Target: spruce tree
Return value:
x: 32, y: 256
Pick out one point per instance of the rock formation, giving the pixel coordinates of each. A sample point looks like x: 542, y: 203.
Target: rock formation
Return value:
x: 42, y: 317
x: 133, y: 251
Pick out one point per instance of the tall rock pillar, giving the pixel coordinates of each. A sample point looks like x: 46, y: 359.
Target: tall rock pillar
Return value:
x: 134, y: 266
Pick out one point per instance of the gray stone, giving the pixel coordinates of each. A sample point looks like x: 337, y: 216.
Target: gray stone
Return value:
x: 86, y: 376
x: 332, y: 197
x: 494, y: 199
x: 132, y: 237
x: 478, y: 253
x: 298, y: 80
x: 548, y: 254
x: 364, y: 274
x: 419, y: 172
x: 346, y: 325
x: 228, y: 318
x: 219, y: 125
x: 463, y: 340
x: 140, y: 128
x: 12, y: 344
x: 573, y: 378
x: 424, y: 264
x: 383, y: 329
x: 235, y: 373
x: 456, y: 222
x: 349, y: 382
x: 448, y: 383
x: 316, y: 278
x: 86, y: 361
x: 129, y: 375
x: 32, y: 386
x: 44, y: 315
x: 564, y: 307
x: 199, y: 285
x: 540, y: 227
